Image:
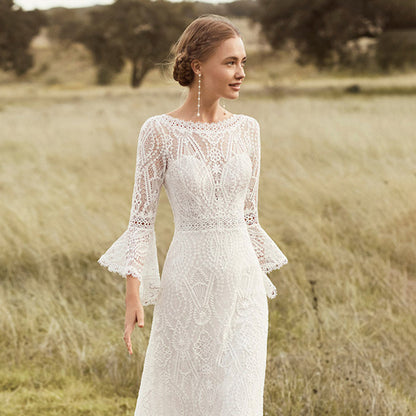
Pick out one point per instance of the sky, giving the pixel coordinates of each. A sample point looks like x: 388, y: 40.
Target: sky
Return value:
x: 47, y: 4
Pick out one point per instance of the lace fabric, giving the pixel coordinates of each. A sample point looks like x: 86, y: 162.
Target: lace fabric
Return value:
x: 135, y: 252
x: 268, y: 253
x: 208, y: 343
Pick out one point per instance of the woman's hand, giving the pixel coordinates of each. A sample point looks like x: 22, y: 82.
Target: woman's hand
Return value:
x: 134, y: 310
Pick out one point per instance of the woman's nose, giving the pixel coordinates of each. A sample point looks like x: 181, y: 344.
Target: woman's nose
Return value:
x: 240, y: 73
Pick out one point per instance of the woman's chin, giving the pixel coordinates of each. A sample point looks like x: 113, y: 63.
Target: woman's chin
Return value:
x: 233, y: 95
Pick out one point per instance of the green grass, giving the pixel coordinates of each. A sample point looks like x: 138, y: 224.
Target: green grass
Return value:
x: 336, y: 194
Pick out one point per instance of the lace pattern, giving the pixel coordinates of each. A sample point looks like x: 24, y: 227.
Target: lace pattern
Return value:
x: 268, y: 253
x: 135, y: 252
x: 166, y: 142
x: 208, y: 343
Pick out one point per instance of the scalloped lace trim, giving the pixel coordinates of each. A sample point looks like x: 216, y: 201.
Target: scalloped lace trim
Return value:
x: 149, y: 286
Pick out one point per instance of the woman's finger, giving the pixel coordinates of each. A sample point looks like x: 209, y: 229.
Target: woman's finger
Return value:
x: 127, y: 339
x: 128, y: 329
x: 133, y: 316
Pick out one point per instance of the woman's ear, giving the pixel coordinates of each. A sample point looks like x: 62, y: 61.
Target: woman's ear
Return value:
x: 196, y: 66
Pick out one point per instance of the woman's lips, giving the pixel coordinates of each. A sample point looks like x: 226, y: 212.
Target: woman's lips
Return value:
x: 236, y: 86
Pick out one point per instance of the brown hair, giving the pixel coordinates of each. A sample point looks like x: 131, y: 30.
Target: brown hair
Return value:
x: 199, y: 41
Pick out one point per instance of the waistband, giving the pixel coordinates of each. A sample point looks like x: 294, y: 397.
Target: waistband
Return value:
x: 216, y: 223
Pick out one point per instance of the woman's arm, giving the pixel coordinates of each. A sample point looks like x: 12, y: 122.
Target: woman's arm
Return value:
x: 134, y: 310
x: 134, y: 254
x: 268, y: 253
x: 149, y: 176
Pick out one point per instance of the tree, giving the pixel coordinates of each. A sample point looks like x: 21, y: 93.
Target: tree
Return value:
x: 241, y: 8
x: 140, y: 31
x: 324, y: 30
x: 65, y: 25
x: 17, y: 29
x: 398, y: 14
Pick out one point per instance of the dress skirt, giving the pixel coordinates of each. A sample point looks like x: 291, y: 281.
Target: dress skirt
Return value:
x: 208, y: 343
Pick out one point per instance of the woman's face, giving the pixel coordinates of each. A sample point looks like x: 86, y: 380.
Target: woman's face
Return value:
x: 224, y: 67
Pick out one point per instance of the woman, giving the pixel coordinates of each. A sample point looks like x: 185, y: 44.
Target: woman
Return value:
x: 207, y: 347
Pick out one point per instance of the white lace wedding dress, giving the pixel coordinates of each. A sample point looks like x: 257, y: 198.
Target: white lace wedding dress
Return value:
x: 208, y: 342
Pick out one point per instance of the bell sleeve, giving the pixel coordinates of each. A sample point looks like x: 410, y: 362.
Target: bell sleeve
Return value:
x: 134, y: 252
x: 268, y: 253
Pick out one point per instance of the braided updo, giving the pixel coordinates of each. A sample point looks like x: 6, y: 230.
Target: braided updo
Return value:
x: 199, y: 41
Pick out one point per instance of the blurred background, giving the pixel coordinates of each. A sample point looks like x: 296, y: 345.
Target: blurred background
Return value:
x: 333, y: 86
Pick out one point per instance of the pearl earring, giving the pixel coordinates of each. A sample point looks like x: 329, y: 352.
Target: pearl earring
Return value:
x: 199, y: 94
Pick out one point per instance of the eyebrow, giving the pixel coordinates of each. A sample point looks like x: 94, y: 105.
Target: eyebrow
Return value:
x: 235, y: 57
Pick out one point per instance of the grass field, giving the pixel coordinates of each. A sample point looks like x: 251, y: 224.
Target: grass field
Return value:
x: 337, y: 194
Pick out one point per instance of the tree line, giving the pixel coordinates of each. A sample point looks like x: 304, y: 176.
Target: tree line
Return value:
x: 326, y: 33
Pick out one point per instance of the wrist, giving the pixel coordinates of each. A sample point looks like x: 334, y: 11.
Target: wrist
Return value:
x: 132, y: 290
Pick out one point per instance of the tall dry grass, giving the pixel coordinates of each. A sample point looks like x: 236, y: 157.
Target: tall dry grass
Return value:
x: 337, y: 194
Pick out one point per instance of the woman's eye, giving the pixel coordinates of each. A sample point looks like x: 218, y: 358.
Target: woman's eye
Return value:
x: 242, y: 63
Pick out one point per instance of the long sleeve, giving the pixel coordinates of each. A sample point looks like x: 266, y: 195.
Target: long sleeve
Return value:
x: 135, y: 252
x: 268, y: 253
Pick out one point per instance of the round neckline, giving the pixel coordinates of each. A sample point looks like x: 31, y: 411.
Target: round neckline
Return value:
x: 200, y: 124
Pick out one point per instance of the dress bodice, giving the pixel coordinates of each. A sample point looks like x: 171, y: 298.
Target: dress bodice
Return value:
x: 209, y: 167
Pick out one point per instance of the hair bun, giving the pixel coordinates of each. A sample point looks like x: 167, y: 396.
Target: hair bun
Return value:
x: 182, y: 71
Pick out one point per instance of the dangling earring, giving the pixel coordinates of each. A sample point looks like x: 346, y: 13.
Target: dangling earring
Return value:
x: 199, y: 94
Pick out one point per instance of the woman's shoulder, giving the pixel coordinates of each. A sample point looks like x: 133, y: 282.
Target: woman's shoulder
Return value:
x: 252, y: 120
x: 251, y: 125
x: 150, y: 131
x: 151, y: 121
x: 152, y: 126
